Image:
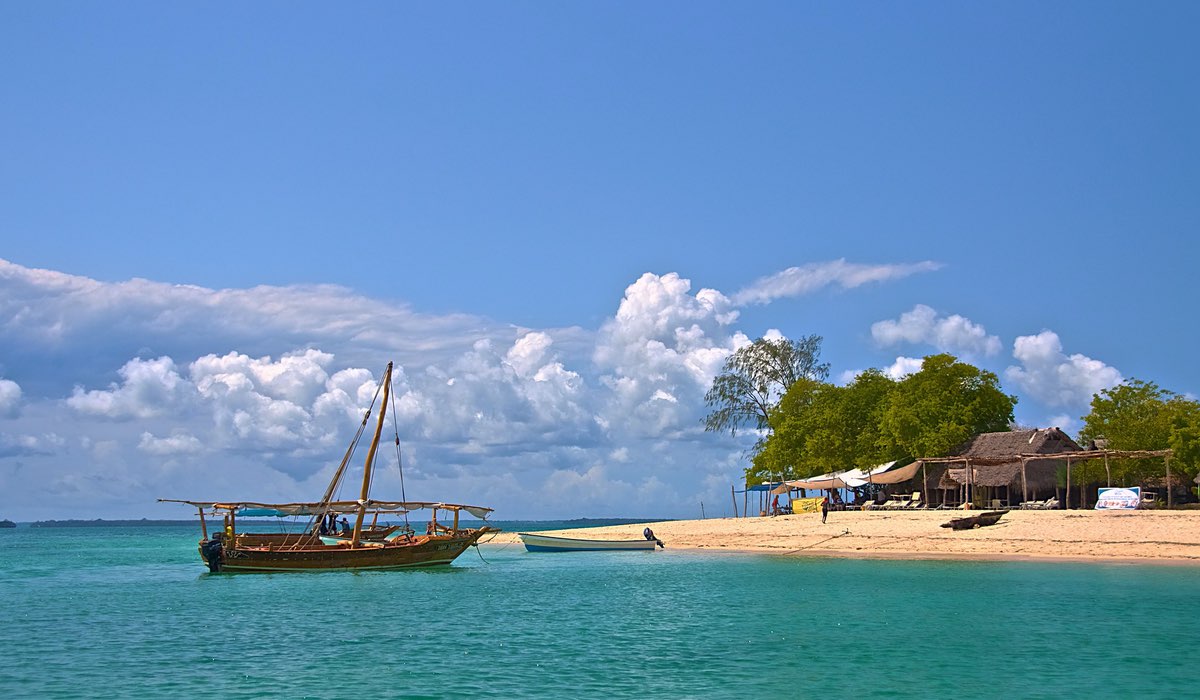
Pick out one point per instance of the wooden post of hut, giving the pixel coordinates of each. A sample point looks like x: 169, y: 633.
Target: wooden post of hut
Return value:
x: 1167, y: 461
x: 1024, y: 481
x: 970, y: 493
x: 733, y: 496
x: 1107, y: 471
x: 1068, y: 489
x: 924, y: 484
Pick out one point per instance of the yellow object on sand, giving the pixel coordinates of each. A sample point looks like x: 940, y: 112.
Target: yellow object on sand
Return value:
x: 806, y: 505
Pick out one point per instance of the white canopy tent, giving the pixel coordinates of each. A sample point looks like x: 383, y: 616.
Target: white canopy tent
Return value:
x: 886, y: 473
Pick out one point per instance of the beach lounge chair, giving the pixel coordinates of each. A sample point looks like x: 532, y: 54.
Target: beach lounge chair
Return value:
x: 892, y: 503
x: 914, y: 502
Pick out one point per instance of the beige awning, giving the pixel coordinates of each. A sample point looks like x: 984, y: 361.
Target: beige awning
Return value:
x: 853, y: 478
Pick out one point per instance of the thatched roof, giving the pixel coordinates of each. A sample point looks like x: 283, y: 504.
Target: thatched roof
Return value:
x: 1016, y: 442
x: 986, y: 475
x: 995, y: 458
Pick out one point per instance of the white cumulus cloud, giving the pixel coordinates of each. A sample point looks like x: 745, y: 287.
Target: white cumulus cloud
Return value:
x: 180, y: 443
x: 923, y: 325
x: 901, y: 368
x: 10, y: 398
x: 148, y: 388
x: 1056, y: 379
x: 663, y: 342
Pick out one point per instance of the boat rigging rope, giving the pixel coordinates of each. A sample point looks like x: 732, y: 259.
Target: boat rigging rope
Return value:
x: 478, y: 551
x: 399, y: 462
x: 333, y: 492
x: 843, y: 533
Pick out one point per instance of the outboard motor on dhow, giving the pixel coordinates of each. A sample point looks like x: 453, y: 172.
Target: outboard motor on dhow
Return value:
x: 213, y: 551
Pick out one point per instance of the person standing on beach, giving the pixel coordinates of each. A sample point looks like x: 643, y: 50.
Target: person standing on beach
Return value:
x: 824, y: 509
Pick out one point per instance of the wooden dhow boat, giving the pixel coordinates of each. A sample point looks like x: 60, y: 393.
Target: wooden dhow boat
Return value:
x: 369, y: 544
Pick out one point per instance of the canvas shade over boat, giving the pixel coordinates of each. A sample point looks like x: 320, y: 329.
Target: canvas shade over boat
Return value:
x: 255, y: 509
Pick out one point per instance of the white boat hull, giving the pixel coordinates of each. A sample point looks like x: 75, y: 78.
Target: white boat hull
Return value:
x: 547, y: 543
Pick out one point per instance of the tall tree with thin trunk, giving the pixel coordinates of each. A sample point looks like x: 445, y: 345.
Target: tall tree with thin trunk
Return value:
x: 755, y: 377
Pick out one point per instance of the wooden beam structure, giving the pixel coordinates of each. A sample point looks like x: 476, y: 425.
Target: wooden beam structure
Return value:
x: 1076, y: 456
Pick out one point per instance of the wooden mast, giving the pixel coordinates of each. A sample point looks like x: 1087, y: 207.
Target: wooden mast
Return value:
x: 366, y: 484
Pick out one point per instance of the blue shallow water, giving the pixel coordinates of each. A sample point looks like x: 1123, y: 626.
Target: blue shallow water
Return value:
x: 131, y: 612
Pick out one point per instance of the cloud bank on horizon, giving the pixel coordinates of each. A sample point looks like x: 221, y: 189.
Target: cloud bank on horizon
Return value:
x: 112, y: 394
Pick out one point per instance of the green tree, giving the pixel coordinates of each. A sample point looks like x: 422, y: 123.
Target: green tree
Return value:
x: 1185, y: 434
x: 791, y: 422
x: 937, y: 409
x: 819, y: 427
x: 755, y: 377
x: 1139, y: 415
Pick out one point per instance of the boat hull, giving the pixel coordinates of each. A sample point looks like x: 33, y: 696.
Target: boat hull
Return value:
x: 420, y: 552
x: 547, y: 543
x: 974, y: 521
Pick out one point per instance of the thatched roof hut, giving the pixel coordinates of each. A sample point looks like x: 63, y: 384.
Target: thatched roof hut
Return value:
x: 995, y: 462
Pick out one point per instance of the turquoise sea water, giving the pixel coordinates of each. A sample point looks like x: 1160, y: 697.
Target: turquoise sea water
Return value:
x: 132, y: 612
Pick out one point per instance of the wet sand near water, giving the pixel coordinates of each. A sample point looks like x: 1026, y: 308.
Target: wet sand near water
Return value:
x: 1146, y: 536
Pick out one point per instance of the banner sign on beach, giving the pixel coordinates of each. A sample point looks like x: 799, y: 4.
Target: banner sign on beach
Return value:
x: 1119, y: 498
x: 806, y: 505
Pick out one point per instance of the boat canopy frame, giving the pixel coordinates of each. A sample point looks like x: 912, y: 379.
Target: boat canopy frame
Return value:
x: 246, y: 508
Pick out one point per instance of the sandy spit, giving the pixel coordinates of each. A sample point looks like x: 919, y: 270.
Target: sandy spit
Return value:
x: 1167, y: 537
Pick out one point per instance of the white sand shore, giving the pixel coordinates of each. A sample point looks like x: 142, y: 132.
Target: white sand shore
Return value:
x: 1136, y: 536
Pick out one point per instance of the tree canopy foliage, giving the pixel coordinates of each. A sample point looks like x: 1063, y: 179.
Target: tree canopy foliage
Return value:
x: 819, y: 427
x: 755, y: 376
x: 825, y: 427
x: 940, y: 407
x: 1138, y: 415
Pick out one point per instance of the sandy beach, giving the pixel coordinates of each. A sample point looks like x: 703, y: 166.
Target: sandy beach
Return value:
x: 1167, y: 537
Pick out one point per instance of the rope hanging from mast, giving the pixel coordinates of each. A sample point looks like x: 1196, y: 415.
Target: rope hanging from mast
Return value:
x: 336, y: 482
x: 399, y: 461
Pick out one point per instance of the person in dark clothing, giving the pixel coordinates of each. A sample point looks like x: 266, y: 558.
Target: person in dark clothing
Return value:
x: 824, y: 509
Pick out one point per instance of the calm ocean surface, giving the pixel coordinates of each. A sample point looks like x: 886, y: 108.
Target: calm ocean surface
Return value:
x: 132, y: 612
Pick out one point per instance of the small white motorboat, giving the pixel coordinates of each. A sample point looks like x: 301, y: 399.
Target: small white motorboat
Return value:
x: 548, y: 543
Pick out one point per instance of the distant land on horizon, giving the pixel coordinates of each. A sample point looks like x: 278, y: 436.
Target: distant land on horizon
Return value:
x: 98, y: 522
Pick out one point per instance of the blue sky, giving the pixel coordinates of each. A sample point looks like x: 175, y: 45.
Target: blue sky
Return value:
x: 559, y: 218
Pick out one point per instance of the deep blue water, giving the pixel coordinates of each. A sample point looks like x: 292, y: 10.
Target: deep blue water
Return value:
x: 132, y: 612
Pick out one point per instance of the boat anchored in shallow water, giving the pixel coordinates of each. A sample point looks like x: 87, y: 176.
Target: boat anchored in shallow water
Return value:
x: 549, y: 543
x: 368, y: 545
